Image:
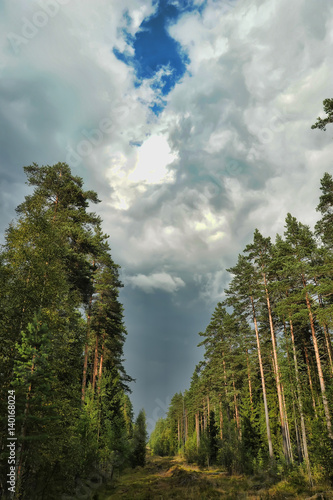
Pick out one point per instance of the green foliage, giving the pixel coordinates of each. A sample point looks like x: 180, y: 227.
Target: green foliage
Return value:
x: 328, y: 108
x: 59, y: 299
x: 191, y: 450
x: 267, y: 361
x: 159, y: 441
x: 139, y: 441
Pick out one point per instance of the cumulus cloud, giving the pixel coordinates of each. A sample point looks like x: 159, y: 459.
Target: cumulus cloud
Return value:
x: 157, y: 281
x: 232, y: 149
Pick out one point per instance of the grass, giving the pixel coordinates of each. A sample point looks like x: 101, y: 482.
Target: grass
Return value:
x: 171, y: 478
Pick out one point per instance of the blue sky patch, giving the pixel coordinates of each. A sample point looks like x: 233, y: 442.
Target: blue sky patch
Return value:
x: 156, y: 50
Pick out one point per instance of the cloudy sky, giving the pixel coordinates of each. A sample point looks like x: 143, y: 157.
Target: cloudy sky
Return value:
x: 191, y: 119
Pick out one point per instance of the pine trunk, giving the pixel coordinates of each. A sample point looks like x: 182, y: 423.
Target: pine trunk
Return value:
x: 327, y: 336
x: 197, y: 429
x: 100, y: 367
x: 300, y: 404
x: 236, y: 409
x: 95, y: 365
x: 249, y: 378
x: 205, y: 415
x: 318, y: 361
x: 86, y: 350
x: 178, y: 433
x: 286, y: 447
x: 221, y: 419
x: 310, y: 379
x: 268, y: 429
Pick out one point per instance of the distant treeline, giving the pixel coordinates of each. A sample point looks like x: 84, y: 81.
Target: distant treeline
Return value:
x: 61, y: 339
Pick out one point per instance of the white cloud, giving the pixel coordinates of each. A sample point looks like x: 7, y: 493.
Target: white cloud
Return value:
x: 153, y: 156
x: 232, y: 150
x: 146, y: 165
x: 156, y: 281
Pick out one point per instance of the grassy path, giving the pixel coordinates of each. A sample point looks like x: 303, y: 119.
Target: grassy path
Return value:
x: 166, y: 478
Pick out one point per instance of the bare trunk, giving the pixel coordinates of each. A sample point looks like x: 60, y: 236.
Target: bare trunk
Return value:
x: 300, y: 404
x: 86, y: 355
x: 205, y: 415
x: 328, y: 347
x: 300, y: 450
x: 268, y: 429
x: 290, y: 452
x: 277, y: 377
x: 327, y: 336
x: 86, y: 349
x: 236, y: 409
x: 249, y: 378
x: 186, y: 426
x: 310, y: 380
x: 95, y: 364
x: 100, y: 367
x: 221, y: 419
x: 178, y: 433
x: 319, y: 368
x: 197, y: 429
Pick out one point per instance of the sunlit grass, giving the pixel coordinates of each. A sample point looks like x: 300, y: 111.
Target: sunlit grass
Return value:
x: 171, y: 478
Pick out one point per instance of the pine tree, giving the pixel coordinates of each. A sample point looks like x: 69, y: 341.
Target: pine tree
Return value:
x: 139, y: 440
x: 56, y: 264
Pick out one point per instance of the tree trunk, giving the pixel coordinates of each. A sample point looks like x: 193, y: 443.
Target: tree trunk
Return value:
x: 205, y: 415
x: 290, y: 452
x: 178, y: 433
x: 268, y: 429
x: 310, y: 379
x: 277, y: 377
x: 300, y: 404
x: 186, y: 425
x: 319, y: 368
x: 197, y: 429
x: 328, y: 347
x: 95, y: 364
x: 221, y: 419
x: 249, y: 378
x: 86, y: 349
x: 236, y: 409
x: 327, y: 336
x: 100, y: 367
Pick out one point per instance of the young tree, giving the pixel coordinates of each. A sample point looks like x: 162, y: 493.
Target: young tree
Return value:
x: 139, y: 440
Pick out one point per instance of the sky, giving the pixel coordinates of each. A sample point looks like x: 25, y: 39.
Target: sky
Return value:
x: 192, y: 121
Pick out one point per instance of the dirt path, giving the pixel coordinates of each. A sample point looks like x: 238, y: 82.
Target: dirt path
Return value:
x: 166, y: 478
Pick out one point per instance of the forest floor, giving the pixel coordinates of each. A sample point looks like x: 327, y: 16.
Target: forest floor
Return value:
x: 166, y: 478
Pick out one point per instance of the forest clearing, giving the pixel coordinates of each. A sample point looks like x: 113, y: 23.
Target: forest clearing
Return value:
x: 171, y: 477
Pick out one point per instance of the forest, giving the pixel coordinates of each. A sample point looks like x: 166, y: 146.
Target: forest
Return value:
x: 65, y: 408
x: 260, y: 401
x: 263, y: 395
x: 262, y: 398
